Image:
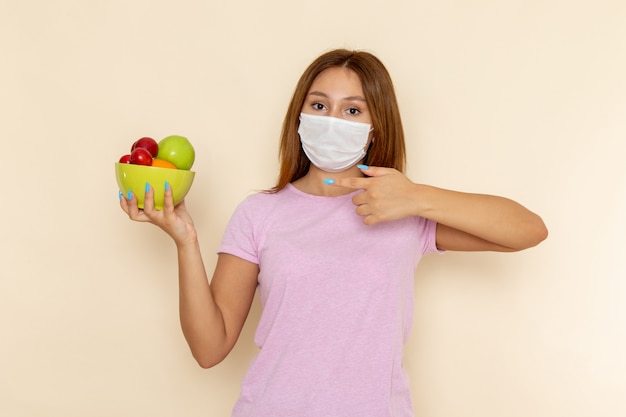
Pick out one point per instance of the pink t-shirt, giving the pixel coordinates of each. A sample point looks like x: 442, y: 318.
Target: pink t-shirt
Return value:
x: 337, y: 300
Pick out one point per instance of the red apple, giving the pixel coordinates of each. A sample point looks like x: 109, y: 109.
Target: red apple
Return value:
x: 147, y: 143
x: 140, y: 156
x: 125, y: 159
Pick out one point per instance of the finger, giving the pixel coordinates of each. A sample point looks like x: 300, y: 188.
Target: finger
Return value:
x: 363, y: 210
x: 123, y: 202
x: 148, y: 200
x: 168, y: 199
x: 372, y: 171
x: 131, y: 203
x: 353, y: 182
x: 359, y: 198
x: 369, y: 220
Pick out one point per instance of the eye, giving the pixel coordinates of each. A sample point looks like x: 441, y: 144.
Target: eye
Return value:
x: 318, y: 106
x: 353, y: 111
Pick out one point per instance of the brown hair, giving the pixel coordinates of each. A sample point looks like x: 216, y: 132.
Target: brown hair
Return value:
x: 387, y: 149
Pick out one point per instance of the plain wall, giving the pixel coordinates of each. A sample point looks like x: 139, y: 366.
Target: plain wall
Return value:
x: 523, y: 98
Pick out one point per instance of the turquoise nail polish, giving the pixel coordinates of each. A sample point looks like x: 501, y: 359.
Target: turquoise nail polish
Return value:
x: 120, y: 195
x: 147, y: 186
x: 167, y: 185
x: 361, y: 166
x: 329, y: 181
x: 129, y: 194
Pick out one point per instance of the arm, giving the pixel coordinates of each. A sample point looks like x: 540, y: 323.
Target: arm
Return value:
x: 465, y: 221
x: 472, y: 222
x: 212, y: 315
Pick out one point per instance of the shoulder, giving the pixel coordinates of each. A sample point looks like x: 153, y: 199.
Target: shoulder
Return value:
x: 263, y: 199
x: 261, y: 203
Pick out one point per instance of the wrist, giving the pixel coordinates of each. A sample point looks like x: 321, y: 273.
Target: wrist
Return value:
x: 420, y: 200
x: 187, y: 242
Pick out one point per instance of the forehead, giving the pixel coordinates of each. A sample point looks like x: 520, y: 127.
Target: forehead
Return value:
x: 337, y: 80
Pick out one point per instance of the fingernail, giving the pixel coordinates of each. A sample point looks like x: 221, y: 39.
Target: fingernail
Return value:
x: 361, y: 166
x: 147, y: 186
x: 129, y: 194
x: 167, y: 185
x: 120, y: 195
x: 329, y: 181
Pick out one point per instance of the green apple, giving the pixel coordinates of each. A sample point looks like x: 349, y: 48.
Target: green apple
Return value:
x: 177, y: 150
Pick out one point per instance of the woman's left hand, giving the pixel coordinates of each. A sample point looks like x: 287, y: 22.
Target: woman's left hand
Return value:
x: 465, y: 221
x: 387, y: 195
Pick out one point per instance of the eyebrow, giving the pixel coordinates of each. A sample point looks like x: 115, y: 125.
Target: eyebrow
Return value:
x: 349, y: 98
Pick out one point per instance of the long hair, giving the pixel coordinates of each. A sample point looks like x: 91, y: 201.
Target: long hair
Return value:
x: 387, y: 148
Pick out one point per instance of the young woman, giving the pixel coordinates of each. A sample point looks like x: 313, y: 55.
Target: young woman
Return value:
x: 332, y: 250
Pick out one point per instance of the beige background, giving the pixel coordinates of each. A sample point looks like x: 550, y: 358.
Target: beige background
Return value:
x: 524, y: 98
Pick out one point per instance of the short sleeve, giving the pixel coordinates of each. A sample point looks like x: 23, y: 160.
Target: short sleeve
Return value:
x: 428, y: 231
x: 239, y: 236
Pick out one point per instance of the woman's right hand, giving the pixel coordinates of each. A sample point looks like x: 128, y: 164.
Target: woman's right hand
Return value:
x: 173, y: 220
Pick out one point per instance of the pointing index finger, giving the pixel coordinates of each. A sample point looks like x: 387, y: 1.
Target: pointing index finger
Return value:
x: 356, y: 183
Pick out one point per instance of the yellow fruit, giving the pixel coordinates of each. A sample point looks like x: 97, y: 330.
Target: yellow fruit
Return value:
x: 162, y: 163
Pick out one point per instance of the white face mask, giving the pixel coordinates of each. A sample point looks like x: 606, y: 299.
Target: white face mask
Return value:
x: 333, y: 144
